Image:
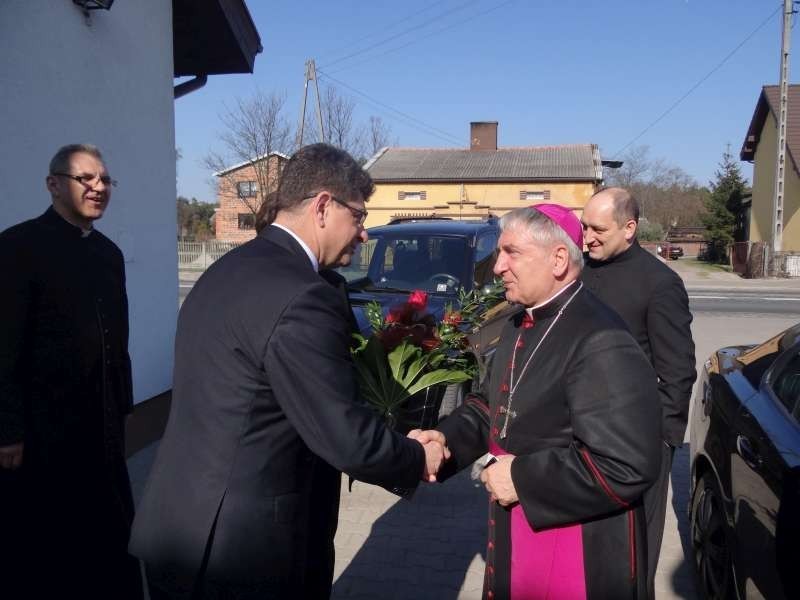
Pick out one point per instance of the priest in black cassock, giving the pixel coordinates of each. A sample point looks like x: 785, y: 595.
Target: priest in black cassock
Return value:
x: 571, y: 418
x: 65, y: 389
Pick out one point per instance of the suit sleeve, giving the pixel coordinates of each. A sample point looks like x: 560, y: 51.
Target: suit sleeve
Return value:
x: 14, y: 303
x: 314, y: 381
x: 615, y: 453
x: 669, y: 330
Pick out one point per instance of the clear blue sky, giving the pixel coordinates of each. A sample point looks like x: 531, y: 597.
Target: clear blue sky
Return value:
x: 550, y: 72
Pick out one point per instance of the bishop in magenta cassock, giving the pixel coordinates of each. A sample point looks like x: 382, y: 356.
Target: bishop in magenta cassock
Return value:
x: 570, y: 417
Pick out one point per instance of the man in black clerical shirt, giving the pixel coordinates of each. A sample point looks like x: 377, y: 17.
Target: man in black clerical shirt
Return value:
x: 65, y: 389
x: 651, y: 299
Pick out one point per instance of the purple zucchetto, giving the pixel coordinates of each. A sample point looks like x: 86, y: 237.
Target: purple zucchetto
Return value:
x: 564, y: 218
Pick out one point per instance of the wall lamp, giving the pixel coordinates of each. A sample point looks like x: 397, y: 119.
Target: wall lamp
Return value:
x: 89, y: 5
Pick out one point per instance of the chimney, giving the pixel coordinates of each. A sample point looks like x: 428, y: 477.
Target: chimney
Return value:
x: 483, y: 135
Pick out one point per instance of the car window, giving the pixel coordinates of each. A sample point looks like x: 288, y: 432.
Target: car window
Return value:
x: 485, y: 257
x: 359, y: 265
x: 426, y: 262
x: 786, y: 383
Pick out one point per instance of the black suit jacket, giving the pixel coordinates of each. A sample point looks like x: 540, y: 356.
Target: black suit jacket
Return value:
x: 652, y: 300
x: 264, y: 398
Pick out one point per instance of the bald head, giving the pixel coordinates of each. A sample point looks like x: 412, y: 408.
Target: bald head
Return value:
x: 609, y: 220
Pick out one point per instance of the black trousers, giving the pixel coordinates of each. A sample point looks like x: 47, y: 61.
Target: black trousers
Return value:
x: 63, y: 534
x: 655, y: 510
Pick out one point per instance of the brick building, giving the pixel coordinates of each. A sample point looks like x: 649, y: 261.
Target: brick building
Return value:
x: 240, y: 191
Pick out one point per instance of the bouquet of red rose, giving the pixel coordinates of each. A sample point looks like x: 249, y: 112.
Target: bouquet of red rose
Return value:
x: 404, y: 366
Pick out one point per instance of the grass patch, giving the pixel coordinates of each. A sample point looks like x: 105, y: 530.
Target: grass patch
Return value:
x: 707, y: 266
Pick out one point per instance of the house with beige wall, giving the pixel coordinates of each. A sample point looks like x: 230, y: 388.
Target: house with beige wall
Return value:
x: 760, y: 148
x: 240, y: 191
x: 482, y: 180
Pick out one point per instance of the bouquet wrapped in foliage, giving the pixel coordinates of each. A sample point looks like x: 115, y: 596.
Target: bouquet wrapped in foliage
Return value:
x: 405, y: 365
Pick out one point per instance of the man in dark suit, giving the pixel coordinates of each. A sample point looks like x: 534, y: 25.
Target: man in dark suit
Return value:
x: 65, y: 388
x: 652, y: 300
x: 265, y: 406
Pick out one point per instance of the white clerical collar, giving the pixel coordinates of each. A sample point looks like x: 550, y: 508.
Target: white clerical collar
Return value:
x: 530, y: 310
x: 303, y: 245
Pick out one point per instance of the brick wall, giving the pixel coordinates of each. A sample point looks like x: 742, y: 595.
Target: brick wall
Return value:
x: 235, y: 216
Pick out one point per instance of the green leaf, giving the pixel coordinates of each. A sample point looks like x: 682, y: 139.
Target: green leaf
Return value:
x: 439, y: 376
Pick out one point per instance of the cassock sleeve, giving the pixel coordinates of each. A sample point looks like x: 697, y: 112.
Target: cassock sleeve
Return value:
x: 616, y: 422
x: 668, y: 327
x: 467, y: 432
x: 14, y: 303
x: 314, y: 381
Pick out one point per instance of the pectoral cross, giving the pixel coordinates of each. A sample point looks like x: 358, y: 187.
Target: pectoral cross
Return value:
x: 509, y: 414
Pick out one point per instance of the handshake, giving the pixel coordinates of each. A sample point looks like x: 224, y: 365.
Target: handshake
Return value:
x: 436, y: 451
x: 495, y: 470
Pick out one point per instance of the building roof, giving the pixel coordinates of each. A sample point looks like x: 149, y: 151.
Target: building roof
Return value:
x: 768, y: 103
x: 212, y: 37
x: 247, y: 163
x: 577, y: 162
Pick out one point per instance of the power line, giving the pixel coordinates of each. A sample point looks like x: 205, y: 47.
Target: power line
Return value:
x: 349, y: 46
x: 402, y: 33
x: 411, y: 121
x: 429, y: 34
x: 699, y: 83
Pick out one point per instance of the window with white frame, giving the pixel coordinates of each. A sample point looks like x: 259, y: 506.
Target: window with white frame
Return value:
x: 534, y: 195
x: 419, y: 195
x: 247, y: 189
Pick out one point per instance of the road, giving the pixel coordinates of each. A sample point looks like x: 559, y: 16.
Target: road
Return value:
x: 744, y: 302
x: 700, y: 301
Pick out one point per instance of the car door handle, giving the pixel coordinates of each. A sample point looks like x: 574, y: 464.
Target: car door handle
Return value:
x: 745, y: 450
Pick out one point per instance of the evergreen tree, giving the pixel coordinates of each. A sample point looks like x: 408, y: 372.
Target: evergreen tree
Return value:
x: 722, y: 204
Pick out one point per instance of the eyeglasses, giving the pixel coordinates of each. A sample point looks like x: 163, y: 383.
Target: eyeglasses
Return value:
x: 89, y: 180
x: 359, y: 214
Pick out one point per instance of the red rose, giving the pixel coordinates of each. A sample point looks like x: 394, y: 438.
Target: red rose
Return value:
x: 430, y: 343
x: 452, y: 318
x: 400, y: 313
x: 418, y: 300
x: 391, y: 338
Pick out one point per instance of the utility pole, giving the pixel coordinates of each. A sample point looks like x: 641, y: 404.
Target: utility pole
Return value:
x: 311, y: 75
x: 783, y: 100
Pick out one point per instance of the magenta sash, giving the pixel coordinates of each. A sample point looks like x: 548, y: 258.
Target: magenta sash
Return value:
x: 545, y: 565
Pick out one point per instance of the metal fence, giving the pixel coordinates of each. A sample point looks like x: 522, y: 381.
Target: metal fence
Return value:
x: 197, y: 256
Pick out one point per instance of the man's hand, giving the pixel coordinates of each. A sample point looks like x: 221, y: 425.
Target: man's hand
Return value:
x: 497, y: 479
x: 11, y: 456
x: 436, y: 452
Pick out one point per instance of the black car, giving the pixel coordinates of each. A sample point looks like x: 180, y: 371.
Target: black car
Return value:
x: 745, y: 471
x: 675, y: 252
x: 438, y: 256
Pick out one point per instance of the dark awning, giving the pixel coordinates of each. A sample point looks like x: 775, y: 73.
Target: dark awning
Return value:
x: 213, y: 37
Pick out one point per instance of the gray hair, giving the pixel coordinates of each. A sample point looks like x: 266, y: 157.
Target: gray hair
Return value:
x: 60, y: 161
x: 543, y: 230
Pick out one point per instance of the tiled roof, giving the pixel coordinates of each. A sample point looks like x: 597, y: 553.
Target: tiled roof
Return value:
x: 768, y: 103
x: 246, y: 163
x: 573, y: 162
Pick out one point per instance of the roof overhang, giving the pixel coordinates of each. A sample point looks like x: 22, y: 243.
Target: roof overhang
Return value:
x: 213, y: 37
x: 748, y: 151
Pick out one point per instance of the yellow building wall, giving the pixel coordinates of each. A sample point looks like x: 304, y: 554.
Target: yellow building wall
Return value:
x: 469, y: 200
x: 763, y: 181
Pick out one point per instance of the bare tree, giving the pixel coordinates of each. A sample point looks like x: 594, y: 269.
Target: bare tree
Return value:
x: 667, y: 195
x: 253, y: 128
x: 378, y: 135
